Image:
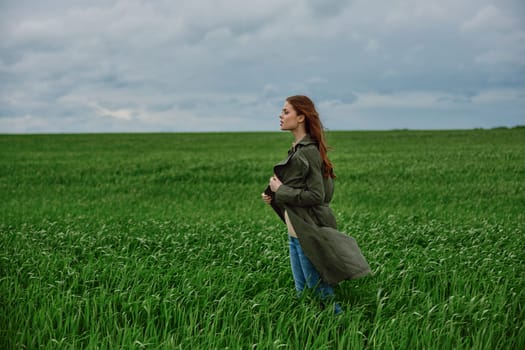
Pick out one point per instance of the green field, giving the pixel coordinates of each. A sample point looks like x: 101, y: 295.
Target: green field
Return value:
x: 161, y: 241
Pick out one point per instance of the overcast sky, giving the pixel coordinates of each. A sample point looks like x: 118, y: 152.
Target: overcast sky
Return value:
x: 228, y: 65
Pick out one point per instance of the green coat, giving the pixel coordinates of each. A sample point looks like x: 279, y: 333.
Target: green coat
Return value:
x: 305, y: 195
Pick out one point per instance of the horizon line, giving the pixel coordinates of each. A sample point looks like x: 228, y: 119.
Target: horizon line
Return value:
x: 50, y: 133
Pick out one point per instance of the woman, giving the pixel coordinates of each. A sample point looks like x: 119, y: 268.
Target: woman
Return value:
x: 300, y: 192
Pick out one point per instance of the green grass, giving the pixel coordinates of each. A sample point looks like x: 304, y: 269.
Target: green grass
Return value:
x: 161, y: 241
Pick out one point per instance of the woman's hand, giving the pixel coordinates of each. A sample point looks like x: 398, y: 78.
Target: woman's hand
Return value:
x: 275, y: 183
x: 266, y: 198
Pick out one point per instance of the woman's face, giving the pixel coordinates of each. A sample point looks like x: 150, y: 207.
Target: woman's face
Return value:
x: 289, y: 118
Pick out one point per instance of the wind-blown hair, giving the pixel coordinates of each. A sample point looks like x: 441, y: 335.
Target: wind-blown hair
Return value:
x: 305, y: 106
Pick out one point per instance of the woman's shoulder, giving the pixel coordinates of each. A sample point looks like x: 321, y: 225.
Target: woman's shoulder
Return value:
x: 310, y: 151
x: 309, y: 155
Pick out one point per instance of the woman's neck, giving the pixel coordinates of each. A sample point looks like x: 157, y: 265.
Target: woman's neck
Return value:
x: 298, y: 134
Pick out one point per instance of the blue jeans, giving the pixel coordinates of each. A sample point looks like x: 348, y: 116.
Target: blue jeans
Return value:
x: 305, y: 274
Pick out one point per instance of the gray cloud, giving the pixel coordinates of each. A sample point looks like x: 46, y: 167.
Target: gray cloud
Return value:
x: 327, y: 7
x: 204, y: 65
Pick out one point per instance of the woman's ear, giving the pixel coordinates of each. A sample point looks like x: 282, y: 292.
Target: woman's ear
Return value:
x: 300, y: 118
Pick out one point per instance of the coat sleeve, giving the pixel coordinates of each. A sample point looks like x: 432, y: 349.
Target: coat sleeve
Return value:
x: 313, y: 192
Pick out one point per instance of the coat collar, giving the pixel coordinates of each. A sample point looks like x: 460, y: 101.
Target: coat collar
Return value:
x: 305, y: 141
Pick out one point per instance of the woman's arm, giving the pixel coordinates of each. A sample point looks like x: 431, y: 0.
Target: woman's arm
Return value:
x: 313, y: 193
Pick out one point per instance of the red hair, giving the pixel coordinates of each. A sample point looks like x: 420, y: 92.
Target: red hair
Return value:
x: 303, y: 105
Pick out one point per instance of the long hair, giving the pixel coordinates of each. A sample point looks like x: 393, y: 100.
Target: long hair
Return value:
x: 305, y: 106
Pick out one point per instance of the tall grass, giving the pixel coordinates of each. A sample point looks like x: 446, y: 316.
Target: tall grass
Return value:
x: 161, y: 241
